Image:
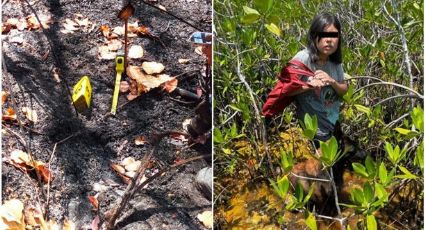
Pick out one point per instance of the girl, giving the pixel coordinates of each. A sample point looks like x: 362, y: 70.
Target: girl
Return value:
x: 322, y: 96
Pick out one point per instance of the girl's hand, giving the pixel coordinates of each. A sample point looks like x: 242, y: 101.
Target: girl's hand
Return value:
x: 316, y: 83
x: 324, y: 77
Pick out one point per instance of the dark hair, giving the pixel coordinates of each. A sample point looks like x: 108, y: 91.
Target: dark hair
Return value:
x: 320, y: 22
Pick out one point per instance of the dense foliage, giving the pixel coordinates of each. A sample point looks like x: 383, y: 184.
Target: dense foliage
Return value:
x: 382, y: 111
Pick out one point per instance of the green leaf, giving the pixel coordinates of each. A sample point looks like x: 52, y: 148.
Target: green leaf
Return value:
x: 286, y: 160
x: 249, y: 18
x: 329, y: 151
x: 383, y: 173
x: 407, y: 173
x: 234, y: 107
x: 227, y: 151
x: 218, y: 136
x: 310, y: 221
x: 299, y: 193
x: 363, y: 109
x: 360, y: 169
x: 249, y: 10
x: 371, y: 222
x: 419, y: 158
x: 263, y: 5
x: 233, y: 130
x: 274, y: 29
x: 418, y: 118
x: 357, y: 196
x: 368, y: 192
x: 283, y: 185
x: 408, y: 133
x: 310, y: 192
x: 370, y: 167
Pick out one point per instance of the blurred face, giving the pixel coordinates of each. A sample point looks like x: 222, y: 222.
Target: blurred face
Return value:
x: 327, y: 41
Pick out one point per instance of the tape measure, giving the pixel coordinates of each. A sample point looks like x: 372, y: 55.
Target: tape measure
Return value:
x: 81, y: 94
x: 119, y: 68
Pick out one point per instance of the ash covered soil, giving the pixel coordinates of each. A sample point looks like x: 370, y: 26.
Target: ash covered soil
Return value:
x: 87, y: 144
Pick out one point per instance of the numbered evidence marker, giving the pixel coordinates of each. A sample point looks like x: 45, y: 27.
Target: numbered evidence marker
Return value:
x: 81, y: 94
x: 119, y: 62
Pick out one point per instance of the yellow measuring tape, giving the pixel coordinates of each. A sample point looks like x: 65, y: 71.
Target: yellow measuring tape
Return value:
x: 119, y: 68
x: 81, y: 94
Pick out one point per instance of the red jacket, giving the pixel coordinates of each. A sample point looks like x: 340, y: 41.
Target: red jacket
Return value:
x: 289, y: 81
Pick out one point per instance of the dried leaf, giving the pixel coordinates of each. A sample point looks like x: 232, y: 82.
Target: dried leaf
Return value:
x: 11, y: 215
x: 124, y: 86
x: 130, y: 174
x: 135, y: 52
x: 114, y: 45
x: 131, y: 97
x: 17, y: 39
x: 186, y: 123
x: 13, y: 22
x: 5, y: 28
x: 44, y: 172
x: 162, y: 7
x: 30, y: 114
x: 68, y: 225
x: 106, y: 31
x: 206, y: 218
x: 106, y: 54
x: 198, y: 50
x: 84, y: 22
x: 118, y: 168
x: 152, y: 67
x: 19, y: 157
x: 170, y: 85
x: 183, y: 61
x: 132, y: 167
x: 70, y: 26
x: 55, y: 73
x: 119, y: 30
x: 128, y: 160
x: 22, y: 25
x: 4, y: 95
x: 9, y: 115
x: 140, y: 140
x: 93, y: 200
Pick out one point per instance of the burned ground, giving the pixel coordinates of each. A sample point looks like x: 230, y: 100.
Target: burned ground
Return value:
x: 96, y: 139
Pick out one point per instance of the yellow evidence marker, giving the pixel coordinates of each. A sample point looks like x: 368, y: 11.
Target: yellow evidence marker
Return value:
x: 81, y: 94
x: 119, y: 68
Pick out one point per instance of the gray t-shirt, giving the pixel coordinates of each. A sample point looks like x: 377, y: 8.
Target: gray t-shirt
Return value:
x: 325, y: 104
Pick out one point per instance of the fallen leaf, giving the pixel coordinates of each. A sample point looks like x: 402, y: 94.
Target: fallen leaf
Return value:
x: 135, y: 52
x: 126, y: 12
x: 93, y: 200
x: 84, y: 22
x: 170, y: 85
x: 130, y: 174
x: 162, y: 7
x: 152, y: 67
x: 114, y: 45
x: 128, y: 160
x: 44, y: 172
x: 140, y: 140
x: 206, y: 218
x: 17, y: 39
x: 143, y: 82
x: 106, y: 31
x: 183, y: 61
x: 95, y: 223
x: 119, y: 30
x: 4, y: 95
x: 70, y: 26
x: 124, y: 86
x: 13, y: 22
x: 33, y: 22
x: 118, y: 168
x: 19, y: 157
x: 11, y: 215
x: 68, y: 225
x: 186, y: 123
x: 198, y: 50
x: 9, y: 115
x: 132, y: 167
x: 22, y: 25
x: 30, y: 114
x: 5, y: 28
x: 105, y: 53
x: 55, y: 73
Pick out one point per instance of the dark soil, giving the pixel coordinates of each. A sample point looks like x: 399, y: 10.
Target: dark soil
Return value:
x: 83, y: 161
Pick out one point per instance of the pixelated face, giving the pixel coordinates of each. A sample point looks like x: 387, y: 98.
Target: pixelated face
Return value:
x: 327, y: 41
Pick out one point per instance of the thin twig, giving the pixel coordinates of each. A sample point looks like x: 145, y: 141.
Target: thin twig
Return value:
x: 394, y: 97
x: 310, y: 178
x: 391, y: 84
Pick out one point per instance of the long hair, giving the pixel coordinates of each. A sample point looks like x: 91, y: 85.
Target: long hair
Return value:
x: 320, y: 22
